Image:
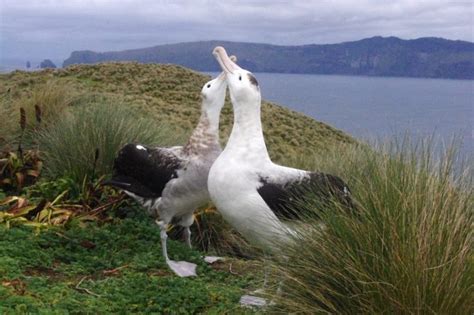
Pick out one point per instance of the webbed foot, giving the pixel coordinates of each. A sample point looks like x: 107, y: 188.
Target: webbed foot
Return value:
x: 182, y: 268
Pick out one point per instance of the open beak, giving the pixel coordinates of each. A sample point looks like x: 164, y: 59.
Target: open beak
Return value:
x: 225, y: 62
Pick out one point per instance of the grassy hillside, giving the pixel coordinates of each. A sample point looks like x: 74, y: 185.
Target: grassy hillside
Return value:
x: 70, y: 245
x: 172, y: 94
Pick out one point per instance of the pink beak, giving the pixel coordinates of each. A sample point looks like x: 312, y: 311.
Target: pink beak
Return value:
x: 226, y: 63
x: 222, y: 74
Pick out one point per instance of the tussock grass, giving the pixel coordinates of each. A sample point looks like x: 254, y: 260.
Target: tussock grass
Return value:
x: 53, y: 97
x: 69, y: 146
x: 407, y: 252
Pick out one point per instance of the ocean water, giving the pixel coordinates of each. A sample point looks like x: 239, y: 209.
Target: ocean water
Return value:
x: 379, y: 107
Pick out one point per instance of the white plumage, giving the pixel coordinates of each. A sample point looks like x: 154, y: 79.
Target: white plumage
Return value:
x: 251, y: 192
x: 172, y: 182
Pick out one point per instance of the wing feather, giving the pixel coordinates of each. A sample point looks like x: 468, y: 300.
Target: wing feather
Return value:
x: 145, y: 171
x: 280, y: 195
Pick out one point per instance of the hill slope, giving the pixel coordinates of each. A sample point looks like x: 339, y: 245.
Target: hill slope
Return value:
x: 172, y: 93
x: 377, y: 56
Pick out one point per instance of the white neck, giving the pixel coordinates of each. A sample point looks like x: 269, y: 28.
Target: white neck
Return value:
x: 246, y: 137
x: 212, y: 115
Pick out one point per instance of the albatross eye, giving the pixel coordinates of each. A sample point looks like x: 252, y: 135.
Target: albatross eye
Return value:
x: 240, y: 78
x: 208, y: 86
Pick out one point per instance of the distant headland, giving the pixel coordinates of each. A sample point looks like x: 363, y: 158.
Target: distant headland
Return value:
x: 426, y: 57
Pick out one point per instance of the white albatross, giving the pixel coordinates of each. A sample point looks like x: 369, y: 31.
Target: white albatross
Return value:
x: 172, y: 182
x: 252, y: 193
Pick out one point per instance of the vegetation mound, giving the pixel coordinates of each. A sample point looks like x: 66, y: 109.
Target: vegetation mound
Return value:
x: 166, y: 93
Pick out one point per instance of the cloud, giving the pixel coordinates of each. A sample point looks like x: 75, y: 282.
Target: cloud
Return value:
x: 53, y: 28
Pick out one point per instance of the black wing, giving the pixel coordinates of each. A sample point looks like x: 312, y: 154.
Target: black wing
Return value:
x: 144, y: 171
x: 280, y: 197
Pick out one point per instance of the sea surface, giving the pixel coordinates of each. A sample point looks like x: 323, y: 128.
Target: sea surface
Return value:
x: 372, y: 108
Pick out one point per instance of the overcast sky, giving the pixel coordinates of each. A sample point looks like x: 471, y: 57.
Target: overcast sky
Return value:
x: 53, y: 28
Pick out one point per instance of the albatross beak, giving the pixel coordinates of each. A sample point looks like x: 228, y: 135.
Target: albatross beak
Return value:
x: 225, y: 62
x: 221, y: 76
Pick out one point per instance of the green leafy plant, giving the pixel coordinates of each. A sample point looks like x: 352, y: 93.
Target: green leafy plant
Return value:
x: 50, y: 189
x: 18, y: 171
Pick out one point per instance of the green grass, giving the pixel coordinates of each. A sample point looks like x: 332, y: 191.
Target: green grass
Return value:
x: 409, y: 251
x: 111, y: 268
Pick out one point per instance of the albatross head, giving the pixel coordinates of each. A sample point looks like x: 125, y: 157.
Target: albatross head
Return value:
x: 242, y: 84
x: 213, y: 92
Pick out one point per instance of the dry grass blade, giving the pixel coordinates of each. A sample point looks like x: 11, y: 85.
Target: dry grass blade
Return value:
x: 79, y: 288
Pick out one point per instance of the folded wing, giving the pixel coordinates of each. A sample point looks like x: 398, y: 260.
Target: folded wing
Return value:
x: 145, y: 171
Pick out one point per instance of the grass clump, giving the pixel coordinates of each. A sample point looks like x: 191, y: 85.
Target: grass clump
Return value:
x: 86, y: 142
x: 408, y: 251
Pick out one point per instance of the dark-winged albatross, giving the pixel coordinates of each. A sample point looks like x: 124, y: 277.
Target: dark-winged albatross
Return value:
x: 251, y: 192
x: 172, y: 182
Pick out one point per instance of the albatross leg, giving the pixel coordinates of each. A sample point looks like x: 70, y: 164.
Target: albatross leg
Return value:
x: 186, y: 222
x: 180, y: 268
x: 187, y: 235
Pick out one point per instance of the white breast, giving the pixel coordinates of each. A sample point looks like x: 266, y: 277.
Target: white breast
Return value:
x: 233, y: 189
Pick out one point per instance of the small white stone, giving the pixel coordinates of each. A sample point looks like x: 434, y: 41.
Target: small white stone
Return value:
x: 183, y: 268
x: 212, y: 259
x: 252, y: 301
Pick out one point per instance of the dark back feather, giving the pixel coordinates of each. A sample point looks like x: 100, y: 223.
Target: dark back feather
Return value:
x: 281, y: 198
x: 144, y: 171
